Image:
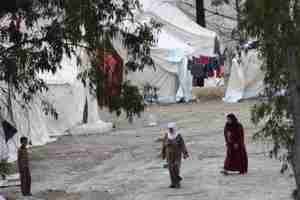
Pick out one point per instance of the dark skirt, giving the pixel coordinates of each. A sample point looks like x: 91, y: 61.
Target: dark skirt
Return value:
x: 25, y: 179
x: 236, y: 160
x: 174, y: 171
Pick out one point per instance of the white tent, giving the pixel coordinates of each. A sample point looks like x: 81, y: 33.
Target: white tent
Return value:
x: 246, y: 78
x: 68, y: 96
x: 180, y: 38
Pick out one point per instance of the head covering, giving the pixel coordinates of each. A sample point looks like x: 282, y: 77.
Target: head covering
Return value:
x: 235, y: 121
x: 232, y: 117
x: 172, y: 125
x: 172, y: 135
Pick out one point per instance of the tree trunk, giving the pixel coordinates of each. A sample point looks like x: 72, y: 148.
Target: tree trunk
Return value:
x: 238, y: 17
x: 295, y: 101
x: 85, y: 112
x: 296, y: 147
x: 9, y: 103
x: 200, y: 13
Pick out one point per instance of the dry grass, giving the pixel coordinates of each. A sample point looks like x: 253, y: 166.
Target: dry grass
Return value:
x: 208, y: 93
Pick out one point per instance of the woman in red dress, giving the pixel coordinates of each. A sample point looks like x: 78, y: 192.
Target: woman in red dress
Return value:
x: 236, y: 158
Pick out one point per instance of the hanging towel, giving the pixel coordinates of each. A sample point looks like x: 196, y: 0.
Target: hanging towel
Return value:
x: 204, y: 60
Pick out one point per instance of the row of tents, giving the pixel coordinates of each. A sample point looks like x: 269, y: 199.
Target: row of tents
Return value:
x: 179, y: 39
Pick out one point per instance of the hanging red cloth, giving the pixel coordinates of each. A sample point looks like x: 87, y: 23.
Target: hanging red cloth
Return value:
x: 111, y: 66
x: 203, y: 60
x: 220, y: 71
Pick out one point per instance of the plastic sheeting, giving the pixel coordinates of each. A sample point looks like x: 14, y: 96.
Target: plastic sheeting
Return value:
x: 246, y: 78
x: 68, y: 96
x: 178, y: 39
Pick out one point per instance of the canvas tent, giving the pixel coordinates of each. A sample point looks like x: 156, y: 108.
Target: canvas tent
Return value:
x: 179, y: 39
x: 68, y: 96
x: 246, y: 78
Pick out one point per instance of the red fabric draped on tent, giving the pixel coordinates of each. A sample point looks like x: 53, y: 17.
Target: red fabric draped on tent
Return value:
x: 111, y: 66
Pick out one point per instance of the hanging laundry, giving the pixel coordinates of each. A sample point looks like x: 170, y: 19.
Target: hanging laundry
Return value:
x: 204, y: 60
x: 198, y: 70
x: 189, y: 66
x: 220, y: 71
x: 211, y: 73
x: 110, y: 61
x: 198, y: 82
x: 176, y: 55
x: 111, y: 66
x: 213, y: 63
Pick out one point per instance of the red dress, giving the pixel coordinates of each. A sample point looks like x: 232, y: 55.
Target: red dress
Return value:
x: 236, y: 158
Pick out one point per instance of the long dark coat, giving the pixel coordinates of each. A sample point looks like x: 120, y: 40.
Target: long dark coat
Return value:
x: 173, y: 150
x: 24, y: 170
x: 236, y: 157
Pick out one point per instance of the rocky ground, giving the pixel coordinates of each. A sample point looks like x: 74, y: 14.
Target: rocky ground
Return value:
x: 124, y: 164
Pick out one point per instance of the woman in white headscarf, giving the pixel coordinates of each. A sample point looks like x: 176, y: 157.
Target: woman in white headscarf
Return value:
x: 172, y: 150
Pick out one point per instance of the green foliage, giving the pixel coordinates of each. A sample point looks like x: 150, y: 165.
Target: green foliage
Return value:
x: 276, y: 26
x: 5, y: 168
x: 50, y: 29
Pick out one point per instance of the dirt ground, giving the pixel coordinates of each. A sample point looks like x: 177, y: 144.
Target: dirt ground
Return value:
x: 124, y: 164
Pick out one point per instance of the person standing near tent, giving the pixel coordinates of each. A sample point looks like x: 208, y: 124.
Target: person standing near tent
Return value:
x: 172, y: 150
x: 3, y: 147
x: 236, y: 158
x: 23, y: 164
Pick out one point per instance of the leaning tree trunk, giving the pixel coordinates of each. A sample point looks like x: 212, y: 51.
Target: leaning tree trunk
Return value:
x: 296, y: 145
x: 294, y: 86
x: 9, y: 102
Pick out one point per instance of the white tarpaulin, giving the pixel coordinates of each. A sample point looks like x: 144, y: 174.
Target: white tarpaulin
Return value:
x: 178, y: 39
x: 68, y: 96
x: 246, y: 78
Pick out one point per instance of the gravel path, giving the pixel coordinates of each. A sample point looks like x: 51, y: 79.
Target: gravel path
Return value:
x: 124, y: 164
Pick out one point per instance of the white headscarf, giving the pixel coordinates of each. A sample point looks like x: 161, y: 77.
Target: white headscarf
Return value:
x: 172, y: 136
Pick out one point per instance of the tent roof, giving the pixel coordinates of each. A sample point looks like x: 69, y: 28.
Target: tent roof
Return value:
x: 178, y: 30
x: 173, y: 15
x: 69, y: 71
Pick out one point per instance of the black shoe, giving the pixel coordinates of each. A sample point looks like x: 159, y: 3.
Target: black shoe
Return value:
x: 177, y: 186
x: 172, y: 186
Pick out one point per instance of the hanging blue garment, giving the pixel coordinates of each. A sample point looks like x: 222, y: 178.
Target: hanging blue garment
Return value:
x: 176, y: 55
x: 213, y: 64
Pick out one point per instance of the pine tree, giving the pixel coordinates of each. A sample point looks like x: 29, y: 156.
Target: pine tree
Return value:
x: 35, y: 34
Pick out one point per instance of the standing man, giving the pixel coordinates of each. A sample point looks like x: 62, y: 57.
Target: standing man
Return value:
x: 172, y: 150
x: 3, y: 149
x: 23, y: 164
